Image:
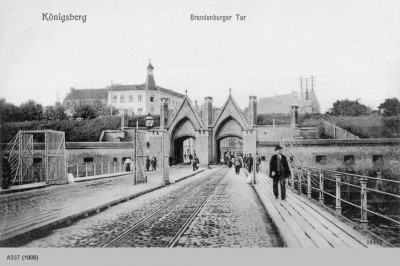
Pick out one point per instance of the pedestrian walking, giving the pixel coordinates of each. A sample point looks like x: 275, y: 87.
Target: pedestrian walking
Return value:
x: 190, y: 157
x: 147, y: 163
x: 258, y: 162
x: 127, y: 164
x: 170, y: 160
x: 237, y: 164
x: 250, y: 163
x: 195, y: 163
x: 154, y: 163
x: 279, y: 170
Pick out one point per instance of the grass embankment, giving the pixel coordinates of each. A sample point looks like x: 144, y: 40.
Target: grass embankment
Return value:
x: 75, y: 131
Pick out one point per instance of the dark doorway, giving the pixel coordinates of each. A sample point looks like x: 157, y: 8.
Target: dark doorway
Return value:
x: 184, y: 148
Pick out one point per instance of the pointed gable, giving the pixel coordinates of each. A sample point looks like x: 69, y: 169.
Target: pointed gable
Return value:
x: 186, y: 111
x: 231, y: 109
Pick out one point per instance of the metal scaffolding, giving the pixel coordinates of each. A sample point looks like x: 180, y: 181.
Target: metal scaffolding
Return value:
x: 20, y: 155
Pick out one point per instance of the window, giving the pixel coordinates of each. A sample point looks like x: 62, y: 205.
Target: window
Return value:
x: 130, y: 99
x: 37, y: 160
x: 114, y: 100
x: 152, y: 99
x: 349, y: 159
x: 148, y: 144
x: 291, y: 158
x: 320, y: 159
x: 377, y: 159
x: 262, y: 158
x: 139, y: 98
x: 139, y: 111
x: 88, y: 160
x: 115, y: 159
x: 122, y: 98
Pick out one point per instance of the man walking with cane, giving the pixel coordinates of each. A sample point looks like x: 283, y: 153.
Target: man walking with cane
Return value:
x: 279, y: 170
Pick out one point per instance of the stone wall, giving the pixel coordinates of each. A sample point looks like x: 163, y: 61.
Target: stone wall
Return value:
x: 360, y: 154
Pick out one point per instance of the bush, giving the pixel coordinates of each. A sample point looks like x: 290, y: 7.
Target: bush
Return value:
x: 367, y: 126
x: 75, y: 131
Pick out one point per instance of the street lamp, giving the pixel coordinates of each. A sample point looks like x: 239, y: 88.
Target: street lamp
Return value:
x: 149, y: 120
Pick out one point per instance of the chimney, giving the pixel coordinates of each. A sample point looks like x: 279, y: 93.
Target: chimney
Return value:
x: 164, y: 113
x: 252, y: 110
x: 294, y: 117
x: 207, y: 117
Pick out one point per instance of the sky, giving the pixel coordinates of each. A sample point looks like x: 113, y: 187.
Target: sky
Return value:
x: 352, y: 48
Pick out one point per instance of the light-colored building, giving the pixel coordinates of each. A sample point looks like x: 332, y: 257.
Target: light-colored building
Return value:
x: 134, y: 99
x: 144, y: 98
x: 306, y: 101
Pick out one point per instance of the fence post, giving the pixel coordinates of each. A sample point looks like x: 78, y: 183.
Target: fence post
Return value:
x: 94, y: 169
x: 77, y: 170
x: 114, y: 167
x: 321, y: 187
x: 86, y: 169
x: 338, y: 206
x: 299, y: 184
x: 108, y: 167
x: 119, y: 167
x: 334, y: 131
x: 292, y: 177
x: 364, y: 213
x: 309, y: 184
x: 101, y: 165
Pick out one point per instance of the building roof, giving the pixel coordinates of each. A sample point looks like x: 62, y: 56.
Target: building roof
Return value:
x: 87, y: 94
x: 142, y: 87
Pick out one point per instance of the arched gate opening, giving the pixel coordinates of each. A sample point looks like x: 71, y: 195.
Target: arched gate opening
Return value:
x: 228, y: 147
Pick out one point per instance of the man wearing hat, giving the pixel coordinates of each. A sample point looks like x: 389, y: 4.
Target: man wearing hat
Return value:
x: 279, y: 170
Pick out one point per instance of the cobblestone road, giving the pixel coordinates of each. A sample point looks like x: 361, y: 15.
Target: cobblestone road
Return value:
x: 99, y: 229
x: 233, y: 217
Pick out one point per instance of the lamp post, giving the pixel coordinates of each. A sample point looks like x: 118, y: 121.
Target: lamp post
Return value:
x: 149, y: 120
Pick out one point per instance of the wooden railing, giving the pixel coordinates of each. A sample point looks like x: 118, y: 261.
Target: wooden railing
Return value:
x: 336, y: 132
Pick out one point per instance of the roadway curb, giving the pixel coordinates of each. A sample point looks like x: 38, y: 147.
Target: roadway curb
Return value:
x: 25, y: 237
x: 16, y: 190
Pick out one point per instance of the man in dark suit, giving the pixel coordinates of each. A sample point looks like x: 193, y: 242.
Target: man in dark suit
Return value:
x: 250, y: 163
x: 279, y: 170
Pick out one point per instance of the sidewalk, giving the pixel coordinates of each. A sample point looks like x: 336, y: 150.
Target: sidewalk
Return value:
x: 25, y: 213
x: 26, y: 187
x: 303, y: 224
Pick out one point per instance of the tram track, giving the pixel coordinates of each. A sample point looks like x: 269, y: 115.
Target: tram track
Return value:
x: 173, y: 218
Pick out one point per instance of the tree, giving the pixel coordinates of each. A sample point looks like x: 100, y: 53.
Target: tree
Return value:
x: 101, y: 109
x: 9, y: 112
x: 31, y: 111
x: 349, y: 108
x: 390, y: 107
x: 55, y: 113
x: 85, y: 111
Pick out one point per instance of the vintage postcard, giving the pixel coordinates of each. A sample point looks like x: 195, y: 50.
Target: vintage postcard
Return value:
x: 237, y: 125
